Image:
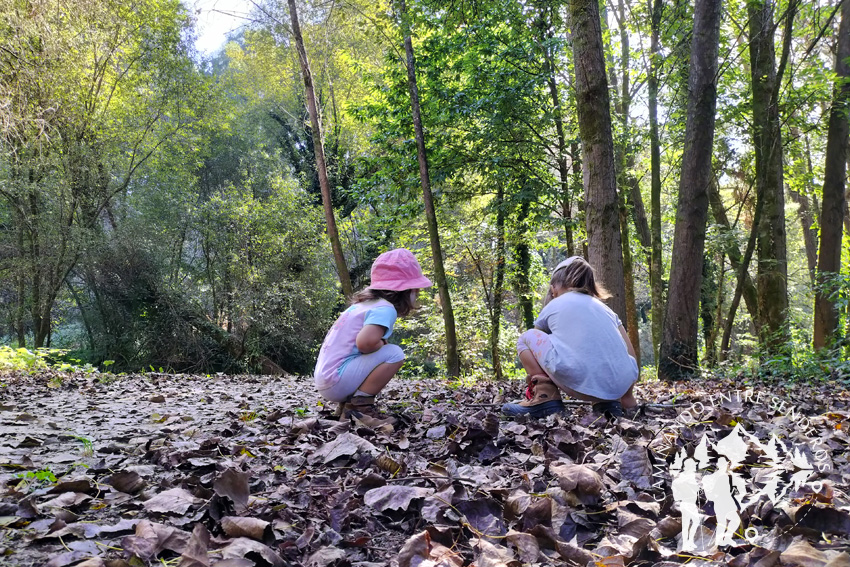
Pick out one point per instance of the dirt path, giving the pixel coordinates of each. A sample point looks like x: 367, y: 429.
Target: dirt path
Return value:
x: 238, y: 471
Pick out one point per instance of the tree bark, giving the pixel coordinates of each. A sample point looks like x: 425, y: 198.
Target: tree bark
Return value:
x: 498, y: 284
x: 605, y: 251
x: 656, y: 266
x: 523, y: 259
x: 678, y: 353
x: 624, y: 154
x: 452, y: 359
x: 767, y: 140
x: 319, y: 151
x: 832, y: 215
x: 558, y: 118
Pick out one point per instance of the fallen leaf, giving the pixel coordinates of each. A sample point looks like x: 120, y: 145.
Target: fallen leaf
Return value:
x: 394, y: 497
x: 242, y: 546
x: 801, y: 554
x: 584, y: 482
x: 233, y: 484
x: 173, y: 501
x: 344, y: 445
x: 237, y: 526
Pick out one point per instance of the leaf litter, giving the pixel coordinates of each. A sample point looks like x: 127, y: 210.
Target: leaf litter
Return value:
x: 197, y: 471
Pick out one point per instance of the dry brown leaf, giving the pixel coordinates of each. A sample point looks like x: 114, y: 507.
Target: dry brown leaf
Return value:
x: 584, y: 482
x: 173, y: 501
x: 394, y: 497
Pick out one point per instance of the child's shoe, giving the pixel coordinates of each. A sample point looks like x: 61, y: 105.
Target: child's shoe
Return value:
x: 364, y: 409
x: 357, y: 406
x: 545, y: 400
x: 610, y: 409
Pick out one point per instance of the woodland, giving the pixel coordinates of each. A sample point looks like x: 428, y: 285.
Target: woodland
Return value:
x: 178, y: 231
x: 162, y: 210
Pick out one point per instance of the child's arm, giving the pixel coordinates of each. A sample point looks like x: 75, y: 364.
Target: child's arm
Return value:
x: 371, y: 338
x: 626, y: 340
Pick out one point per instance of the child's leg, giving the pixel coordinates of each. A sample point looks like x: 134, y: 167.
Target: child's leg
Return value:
x: 380, y: 377
x: 369, y: 373
x: 531, y: 346
x: 628, y: 400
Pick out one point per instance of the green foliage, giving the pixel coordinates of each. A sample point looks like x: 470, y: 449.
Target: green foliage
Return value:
x: 33, y: 480
x: 21, y: 359
x: 37, y: 360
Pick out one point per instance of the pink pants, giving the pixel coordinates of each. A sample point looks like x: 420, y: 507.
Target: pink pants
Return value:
x: 537, y: 342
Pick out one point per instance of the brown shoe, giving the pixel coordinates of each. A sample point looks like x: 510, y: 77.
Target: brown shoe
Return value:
x: 357, y: 406
x: 545, y: 399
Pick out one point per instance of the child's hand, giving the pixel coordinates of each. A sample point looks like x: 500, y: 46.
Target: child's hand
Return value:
x: 370, y: 338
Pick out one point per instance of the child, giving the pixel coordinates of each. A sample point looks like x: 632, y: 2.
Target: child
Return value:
x: 355, y: 361
x: 579, y: 346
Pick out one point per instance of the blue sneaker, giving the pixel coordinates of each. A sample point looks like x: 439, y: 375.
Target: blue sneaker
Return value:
x: 610, y: 409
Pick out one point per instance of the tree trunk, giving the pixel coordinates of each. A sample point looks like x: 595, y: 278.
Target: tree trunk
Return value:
x: 624, y: 154
x: 319, y: 151
x: 829, y: 258
x: 743, y: 275
x: 20, y: 309
x: 631, y: 322
x: 767, y: 140
x: 806, y: 210
x: 810, y: 233
x: 678, y: 353
x: 717, y: 316
x: 605, y: 251
x: 656, y: 266
x: 523, y: 259
x: 452, y: 359
x: 749, y: 292
x: 498, y: 284
x: 563, y: 168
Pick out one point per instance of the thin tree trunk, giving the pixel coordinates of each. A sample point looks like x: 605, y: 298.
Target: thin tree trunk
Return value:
x: 624, y: 154
x: 829, y: 258
x: 523, y: 259
x: 656, y: 266
x: 576, y: 188
x: 563, y: 168
x: 498, y: 284
x: 319, y: 151
x: 452, y: 359
x: 629, y: 283
x: 21, y: 286
x: 75, y: 294
x: 605, y: 252
x: 748, y: 291
x: 742, y: 277
x: 708, y: 304
x: 678, y: 353
x: 711, y: 341
x: 807, y: 210
x: 810, y: 234
x: 767, y: 141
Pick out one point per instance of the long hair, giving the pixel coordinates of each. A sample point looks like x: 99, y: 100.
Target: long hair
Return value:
x: 401, y: 300
x: 577, y: 276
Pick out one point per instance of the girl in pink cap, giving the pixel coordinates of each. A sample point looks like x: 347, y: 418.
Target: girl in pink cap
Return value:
x: 578, y: 346
x: 355, y: 361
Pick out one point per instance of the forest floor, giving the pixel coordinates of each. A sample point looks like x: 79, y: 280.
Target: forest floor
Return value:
x: 253, y: 470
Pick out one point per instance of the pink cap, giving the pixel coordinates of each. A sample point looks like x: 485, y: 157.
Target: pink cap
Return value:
x: 397, y: 270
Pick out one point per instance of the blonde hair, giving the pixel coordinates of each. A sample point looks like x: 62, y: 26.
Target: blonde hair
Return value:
x: 576, y: 275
